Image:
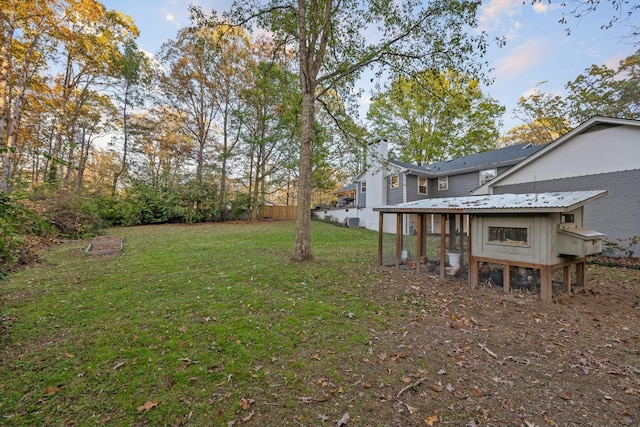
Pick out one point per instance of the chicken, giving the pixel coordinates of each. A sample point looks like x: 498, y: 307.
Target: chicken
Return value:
x: 485, y: 272
x: 451, y: 271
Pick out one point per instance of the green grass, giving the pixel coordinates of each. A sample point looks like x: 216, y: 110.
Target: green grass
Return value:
x: 195, y: 317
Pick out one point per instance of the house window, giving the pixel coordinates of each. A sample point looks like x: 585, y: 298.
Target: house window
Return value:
x: 363, y: 187
x: 393, y: 181
x: 443, y: 183
x: 422, y: 185
x: 487, y: 175
x: 516, y: 236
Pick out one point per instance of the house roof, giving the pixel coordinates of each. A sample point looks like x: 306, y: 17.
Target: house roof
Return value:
x: 594, y: 123
x: 500, y: 157
x: 349, y: 187
x: 502, y: 203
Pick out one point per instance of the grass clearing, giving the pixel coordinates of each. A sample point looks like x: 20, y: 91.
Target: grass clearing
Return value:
x: 213, y: 325
x: 196, y: 317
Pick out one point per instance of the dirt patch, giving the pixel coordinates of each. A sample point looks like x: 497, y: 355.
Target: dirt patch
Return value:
x: 105, y: 245
x: 501, y: 359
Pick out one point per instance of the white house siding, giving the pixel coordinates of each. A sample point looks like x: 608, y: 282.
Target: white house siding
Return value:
x: 604, y: 150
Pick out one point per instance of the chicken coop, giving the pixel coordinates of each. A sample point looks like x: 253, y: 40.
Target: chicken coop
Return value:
x: 536, y: 234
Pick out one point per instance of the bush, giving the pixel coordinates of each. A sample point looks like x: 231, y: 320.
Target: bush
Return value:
x: 19, y: 225
x: 72, y: 216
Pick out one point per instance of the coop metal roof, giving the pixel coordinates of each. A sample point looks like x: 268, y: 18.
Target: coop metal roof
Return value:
x: 500, y: 203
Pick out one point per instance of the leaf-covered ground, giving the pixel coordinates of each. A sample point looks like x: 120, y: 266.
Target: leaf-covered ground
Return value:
x: 479, y: 357
x: 176, y: 332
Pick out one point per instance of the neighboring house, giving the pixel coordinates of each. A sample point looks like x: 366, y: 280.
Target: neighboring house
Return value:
x: 600, y: 154
x: 390, y: 182
x: 346, y: 196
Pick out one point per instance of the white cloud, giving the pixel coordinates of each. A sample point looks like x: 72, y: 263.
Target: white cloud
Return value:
x: 541, y: 7
x: 521, y: 58
x: 491, y: 13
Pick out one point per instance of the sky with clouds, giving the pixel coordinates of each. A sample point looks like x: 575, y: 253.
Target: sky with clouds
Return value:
x: 537, y: 46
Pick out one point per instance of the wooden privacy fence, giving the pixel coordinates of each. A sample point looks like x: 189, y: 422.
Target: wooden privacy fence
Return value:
x: 278, y: 212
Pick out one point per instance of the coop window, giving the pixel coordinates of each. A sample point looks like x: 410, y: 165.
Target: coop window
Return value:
x: 393, y: 181
x: 422, y: 185
x: 568, y: 218
x: 443, y: 183
x: 517, y: 236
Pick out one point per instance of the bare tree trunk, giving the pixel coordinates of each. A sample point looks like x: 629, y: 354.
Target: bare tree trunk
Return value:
x: 302, y: 245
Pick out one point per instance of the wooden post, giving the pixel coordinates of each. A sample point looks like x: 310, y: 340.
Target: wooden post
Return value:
x: 398, y: 240
x: 474, y: 282
x: 506, y: 278
x: 443, y: 243
x: 380, y: 236
x: 419, y: 238
x: 567, y: 278
x: 461, y: 239
x: 546, y: 285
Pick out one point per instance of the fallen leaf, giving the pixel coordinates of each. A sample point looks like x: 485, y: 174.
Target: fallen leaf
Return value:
x: 147, y: 406
x: 566, y: 395
x: 305, y: 399
x: 344, y: 420
x: 430, y: 420
x: 246, y: 403
x: 478, y: 391
x: 118, y: 366
x: 51, y: 391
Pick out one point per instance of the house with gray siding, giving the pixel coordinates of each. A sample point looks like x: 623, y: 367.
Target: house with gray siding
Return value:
x: 391, y: 182
x: 600, y: 154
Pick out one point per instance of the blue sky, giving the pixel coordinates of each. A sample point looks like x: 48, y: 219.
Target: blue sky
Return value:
x: 537, y: 49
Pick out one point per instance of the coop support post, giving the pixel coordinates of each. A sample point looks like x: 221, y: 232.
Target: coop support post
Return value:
x: 380, y: 236
x: 472, y: 282
x: 398, y: 240
x: 443, y: 240
x: 506, y: 278
x: 546, y: 289
x: 419, y: 238
x: 567, y: 278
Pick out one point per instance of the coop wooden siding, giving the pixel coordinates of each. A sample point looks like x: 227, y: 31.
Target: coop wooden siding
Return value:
x: 616, y: 215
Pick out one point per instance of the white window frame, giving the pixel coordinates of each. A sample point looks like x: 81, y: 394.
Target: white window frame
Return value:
x: 363, y: 187
x: 484, y: 180
x: 443, y: 180
x: 426, y: 185
x: 394, y: 181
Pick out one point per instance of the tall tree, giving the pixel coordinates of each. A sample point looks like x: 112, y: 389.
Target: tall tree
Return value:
x: 333, y: 43
x: 89, y: 37
x: 190, y: 87
x: 131, y: 69
x: 25, y: 42
x: 435, y: 116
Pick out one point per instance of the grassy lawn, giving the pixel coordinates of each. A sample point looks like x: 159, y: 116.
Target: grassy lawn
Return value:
x: 190, y: 325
